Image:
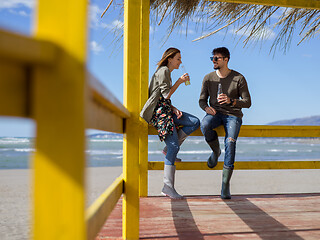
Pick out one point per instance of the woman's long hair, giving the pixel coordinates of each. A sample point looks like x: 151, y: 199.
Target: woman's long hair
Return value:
x: 169, y: 53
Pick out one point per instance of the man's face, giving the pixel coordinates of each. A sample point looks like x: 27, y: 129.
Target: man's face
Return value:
x: 219, y: 61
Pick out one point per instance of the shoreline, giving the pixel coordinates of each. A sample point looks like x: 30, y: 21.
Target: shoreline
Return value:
x: 15, y: 185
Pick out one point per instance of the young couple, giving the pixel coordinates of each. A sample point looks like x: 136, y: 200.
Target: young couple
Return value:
x: 223, y: 109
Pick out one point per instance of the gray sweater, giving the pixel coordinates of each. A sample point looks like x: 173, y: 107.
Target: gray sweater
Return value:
x: 234, y: 86
x: 160, y: 84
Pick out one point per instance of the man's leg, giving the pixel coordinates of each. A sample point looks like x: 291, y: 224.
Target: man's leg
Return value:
x: 208, y: 123
x: 232, y: 126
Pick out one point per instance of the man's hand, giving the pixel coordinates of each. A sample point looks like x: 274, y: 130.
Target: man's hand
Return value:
x: 223, y: 98
x: 210, y: 110
x: 177, y: 112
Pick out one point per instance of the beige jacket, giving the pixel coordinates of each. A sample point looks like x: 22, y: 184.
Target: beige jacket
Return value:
x: 160, y: 84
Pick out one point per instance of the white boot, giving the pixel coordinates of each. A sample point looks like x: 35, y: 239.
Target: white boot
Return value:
x: 181, y: 137
x: 168, y: 180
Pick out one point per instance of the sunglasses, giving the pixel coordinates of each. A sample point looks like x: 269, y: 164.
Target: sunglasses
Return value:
x: 215, y: 58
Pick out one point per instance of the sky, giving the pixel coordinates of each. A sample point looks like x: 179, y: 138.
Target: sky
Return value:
x: 282, y: 85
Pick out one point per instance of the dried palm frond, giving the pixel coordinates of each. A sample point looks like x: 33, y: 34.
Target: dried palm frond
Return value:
x: 253, y: 22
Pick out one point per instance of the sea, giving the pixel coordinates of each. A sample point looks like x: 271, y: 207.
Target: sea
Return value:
x: 105, y: 150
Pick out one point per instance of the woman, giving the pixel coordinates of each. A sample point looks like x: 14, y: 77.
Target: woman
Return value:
x: 159, y: 112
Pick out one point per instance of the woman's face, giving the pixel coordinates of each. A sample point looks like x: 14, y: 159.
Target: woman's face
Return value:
x: 174, y: 63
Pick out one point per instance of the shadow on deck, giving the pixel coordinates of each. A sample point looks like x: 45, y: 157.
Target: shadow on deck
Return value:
x: 286, y: 216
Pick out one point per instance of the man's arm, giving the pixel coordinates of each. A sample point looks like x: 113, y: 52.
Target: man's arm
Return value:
x: 203, y: 100
x: 245, y: 101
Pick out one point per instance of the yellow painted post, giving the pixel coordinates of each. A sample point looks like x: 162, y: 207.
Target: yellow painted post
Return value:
x: 130, y: 207
x: 144, y: 59
x: 58, y: 108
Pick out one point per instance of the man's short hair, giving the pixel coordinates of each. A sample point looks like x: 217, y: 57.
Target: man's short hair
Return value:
x: 223, y: 51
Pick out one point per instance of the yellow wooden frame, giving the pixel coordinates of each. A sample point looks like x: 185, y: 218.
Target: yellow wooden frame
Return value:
x: 45, y: 78
x: 100, y: 210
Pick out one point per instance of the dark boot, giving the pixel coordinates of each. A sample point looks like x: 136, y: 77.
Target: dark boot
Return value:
x: 168, y: 180
x: 216, y: 152
x: 225, y: 189
x: 181, y: 137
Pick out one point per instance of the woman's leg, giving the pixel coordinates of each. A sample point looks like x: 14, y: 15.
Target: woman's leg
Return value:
x: 189, y: 122
x: 172, y: 144
x: 169, y: 167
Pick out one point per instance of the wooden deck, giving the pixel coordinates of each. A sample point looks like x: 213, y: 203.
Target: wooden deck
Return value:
x: 287, y: 216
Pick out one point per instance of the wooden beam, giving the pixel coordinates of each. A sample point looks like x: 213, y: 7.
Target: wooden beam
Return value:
x: 59, y: 110
x: 308, y: 4
x: 104, y: 111
x: 18, y: 48
x: 143, y: 133
x: 100, y: 210
x: 14, y: 90
x: 264, y: 131
x: 131, y: 96
x: 242, y: 165
x: 99, y: 93
x: 101, y: 118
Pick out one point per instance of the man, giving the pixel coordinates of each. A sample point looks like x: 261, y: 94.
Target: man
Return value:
x: 223, y: 109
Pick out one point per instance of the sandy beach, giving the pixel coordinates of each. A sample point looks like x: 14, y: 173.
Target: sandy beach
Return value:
x: 15, y: 203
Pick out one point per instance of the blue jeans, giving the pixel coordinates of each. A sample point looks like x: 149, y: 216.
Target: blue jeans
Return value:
x: 231, y: 126
x: 190, y: 123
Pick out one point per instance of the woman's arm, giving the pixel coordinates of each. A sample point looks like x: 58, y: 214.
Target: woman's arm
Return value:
x: 182, y: 79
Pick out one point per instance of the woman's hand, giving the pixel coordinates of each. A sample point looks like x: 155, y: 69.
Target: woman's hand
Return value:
x: 184, y: 78
x: 177, y: 112
x: 210, y: 110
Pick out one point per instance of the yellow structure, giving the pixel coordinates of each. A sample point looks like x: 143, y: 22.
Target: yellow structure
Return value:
x: 45, y: 78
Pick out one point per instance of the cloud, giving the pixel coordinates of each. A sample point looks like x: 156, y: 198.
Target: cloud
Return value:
x: 266, y: 33
x: 307, y: 55
x: 96, y: 22
x: 116, y: 25
x: 186, y: 31
x: 94, y: 16
x: 151, y: 30
x: 17, y: 4
x: 21, y: 13
x: 95, y: 47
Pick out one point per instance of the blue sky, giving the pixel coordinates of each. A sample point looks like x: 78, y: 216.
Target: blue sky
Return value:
x: 283, y: 86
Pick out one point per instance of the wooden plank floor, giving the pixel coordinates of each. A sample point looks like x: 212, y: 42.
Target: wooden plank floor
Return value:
x: 289, y: 216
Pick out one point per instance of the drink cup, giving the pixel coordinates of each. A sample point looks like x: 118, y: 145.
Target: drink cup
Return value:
x: 184, y: 71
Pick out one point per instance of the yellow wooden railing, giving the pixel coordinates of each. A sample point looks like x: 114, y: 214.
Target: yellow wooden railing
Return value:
x: 254, y: 131
x: 44, y: 77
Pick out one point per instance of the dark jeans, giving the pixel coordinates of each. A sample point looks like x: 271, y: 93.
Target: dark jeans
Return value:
x: 231, y: 126
x: 190, y: 123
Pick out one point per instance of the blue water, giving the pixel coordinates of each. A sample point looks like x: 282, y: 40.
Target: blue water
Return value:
x: 106, y: 150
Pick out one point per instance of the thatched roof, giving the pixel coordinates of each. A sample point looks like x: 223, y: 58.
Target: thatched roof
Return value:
x: 254, y: 22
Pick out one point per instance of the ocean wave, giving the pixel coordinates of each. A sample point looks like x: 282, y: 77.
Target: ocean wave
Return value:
x: 155, y: 152
x: 196, y: 141
x: 13, y: 140
x: 107, y: 140
x: 274, y: 150
x: 290, y: 150
x: 195, y: 152
x: 24, y: 150
x: 104, y: 152
x: 5, y: 149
